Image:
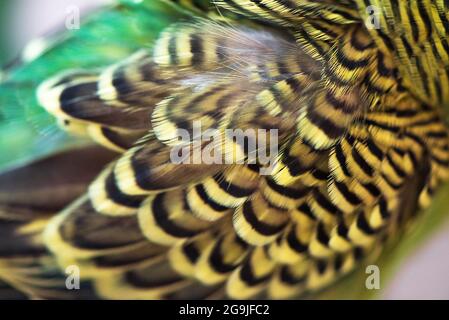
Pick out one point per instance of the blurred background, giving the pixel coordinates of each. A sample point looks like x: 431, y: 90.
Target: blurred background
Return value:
x: 422, y: 275
x: 22, y: 20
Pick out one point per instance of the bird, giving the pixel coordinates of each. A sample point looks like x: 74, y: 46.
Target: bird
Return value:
x: 345, y: 98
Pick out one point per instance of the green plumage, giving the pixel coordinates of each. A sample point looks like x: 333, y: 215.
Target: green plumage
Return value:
x: 27, y: 131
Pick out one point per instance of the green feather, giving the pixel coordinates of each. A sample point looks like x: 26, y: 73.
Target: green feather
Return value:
x: 27, y: 131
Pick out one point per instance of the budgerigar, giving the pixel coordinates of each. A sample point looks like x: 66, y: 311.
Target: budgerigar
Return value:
x: 355, y: 91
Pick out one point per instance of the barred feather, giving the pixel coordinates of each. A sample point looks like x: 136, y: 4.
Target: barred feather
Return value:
x: 362, y: 145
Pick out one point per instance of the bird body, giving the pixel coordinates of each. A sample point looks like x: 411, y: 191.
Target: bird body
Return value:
x: 355, y: 91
